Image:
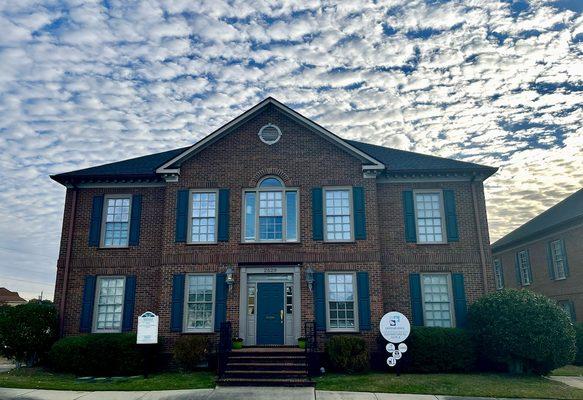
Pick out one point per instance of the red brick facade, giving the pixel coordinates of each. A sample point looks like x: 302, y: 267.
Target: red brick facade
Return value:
x: 303, y: 160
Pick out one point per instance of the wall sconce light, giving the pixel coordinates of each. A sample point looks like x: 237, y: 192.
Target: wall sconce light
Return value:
x: 230, y: 279
x: 310, y: 278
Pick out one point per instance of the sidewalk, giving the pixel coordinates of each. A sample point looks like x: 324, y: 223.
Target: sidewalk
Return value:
x: 220, y: 393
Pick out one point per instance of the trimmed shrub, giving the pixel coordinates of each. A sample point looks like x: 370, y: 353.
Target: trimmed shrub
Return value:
x: 101, y: 354
x: 439, y: 350
x: 190, y: 352
x: 579, y: 340
x: 523, y: 330
x: 347, y: 354
x: 27, y: 331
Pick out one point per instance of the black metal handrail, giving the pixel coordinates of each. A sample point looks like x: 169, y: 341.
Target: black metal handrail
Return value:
x: 225, y: 345
x: 311, y: 348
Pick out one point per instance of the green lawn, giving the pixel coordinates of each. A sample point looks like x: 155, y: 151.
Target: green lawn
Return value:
x: 480, y: 385
x: 37, y: 378
x: 569, y: 370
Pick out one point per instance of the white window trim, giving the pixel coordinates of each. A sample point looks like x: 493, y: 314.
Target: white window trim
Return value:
x: 498, y: 273
x: 439, y: 192
x: 327, y: 300
x: 185, y: 328
x: 450, y: 294
x: 189, y: 227
x: 522, y: 281
x: 96, y: 304
x: 351, y: 217
x: 106, y: 198
x: 554, y: 261
x: 284, y: 189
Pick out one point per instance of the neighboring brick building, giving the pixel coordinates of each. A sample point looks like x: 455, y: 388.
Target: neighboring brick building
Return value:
x: 546, y: 255
x: 10, y: 298
x: 269, y: 222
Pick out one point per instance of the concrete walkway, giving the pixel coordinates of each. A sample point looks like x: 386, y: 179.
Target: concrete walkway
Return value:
x: 573, y: 381
x: 220, y: 393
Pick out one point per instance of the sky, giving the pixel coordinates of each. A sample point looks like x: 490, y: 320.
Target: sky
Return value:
x: 86, y: 83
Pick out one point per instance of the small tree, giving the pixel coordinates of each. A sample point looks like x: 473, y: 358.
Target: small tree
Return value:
x: 27, y: 331
x: 524, y: 330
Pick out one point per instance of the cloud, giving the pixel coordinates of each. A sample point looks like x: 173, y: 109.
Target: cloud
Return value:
x: 85, y: 83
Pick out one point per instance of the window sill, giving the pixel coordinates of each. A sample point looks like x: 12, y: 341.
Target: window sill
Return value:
x: 560, y: 279
x: 104, y: 332
x: 197, y: 332
x: 339, y: 241
x: 201, y: 243
x: 525, y: 284
x: 342, y: 331
x: 292, y: 243
x: 113, y: 247
x: 431, y: 243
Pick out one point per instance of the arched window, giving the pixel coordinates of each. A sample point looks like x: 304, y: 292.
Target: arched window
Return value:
x: 271, y: 212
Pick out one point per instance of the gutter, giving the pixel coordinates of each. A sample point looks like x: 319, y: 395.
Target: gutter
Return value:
x: 70, y: 231
x: 480, y: 237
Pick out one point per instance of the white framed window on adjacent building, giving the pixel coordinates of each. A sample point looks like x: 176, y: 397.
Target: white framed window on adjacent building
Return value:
x: 524, y: 267
x: 338, y: 215
x: 558, y: 259
x: 341, y: 304
x: 202, y: 210
x: 109, y: 302
x: 429, y: 215
x: 116, y: 221
x: 437, y: 300
x: 498, y: 274
x: 199, y: 303
x: 270, y: 212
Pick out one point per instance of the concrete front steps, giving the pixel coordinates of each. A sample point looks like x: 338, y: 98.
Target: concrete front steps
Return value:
x: 266, y: 366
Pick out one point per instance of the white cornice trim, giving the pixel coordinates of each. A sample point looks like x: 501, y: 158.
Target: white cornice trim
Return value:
x: 100, y: 185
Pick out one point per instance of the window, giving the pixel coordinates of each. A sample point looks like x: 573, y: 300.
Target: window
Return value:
x: 203, y: 217
x: 436, y: 292
x: 569, y: 308
x: 498, y: 274
x: 271, y: 212
x: 289, y: 299
x: 342, y: 312
x: 429, y: 212
x: 200, y: 303
x: 523, y: 267
x: 338, y: 215
x: 251, y: 300
x: 109, y: 304
x: 558, y: 259
x: 116, y: 221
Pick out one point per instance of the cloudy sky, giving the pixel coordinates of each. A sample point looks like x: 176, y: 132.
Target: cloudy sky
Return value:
x: 85, y: 83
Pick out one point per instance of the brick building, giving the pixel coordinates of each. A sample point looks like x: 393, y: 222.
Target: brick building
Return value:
x: 546, y: 255
x: 269, y: 222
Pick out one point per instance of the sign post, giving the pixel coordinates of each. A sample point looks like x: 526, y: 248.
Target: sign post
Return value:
x: 395, y: 328
x: 147, y: 337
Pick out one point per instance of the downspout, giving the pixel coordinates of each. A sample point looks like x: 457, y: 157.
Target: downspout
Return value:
x: 67, y: 260
x: 480, y: 236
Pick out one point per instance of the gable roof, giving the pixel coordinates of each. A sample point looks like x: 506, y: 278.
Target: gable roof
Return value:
x: 8, y: 296
x: 153, y: 166
x: 559, y: 215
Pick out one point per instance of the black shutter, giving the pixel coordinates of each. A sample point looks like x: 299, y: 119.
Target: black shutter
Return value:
x: 177, y: 307
x: 320, y: 301
x: 135, y: 221
x: 95, y: 226
x: 359, y: 213
x: 87, y: 305
x: 220, y: 301
x: 181, y: 215
x: 128, y: 303
x: 317, y: 215
x: 363, y: 301
x: 223, y: 235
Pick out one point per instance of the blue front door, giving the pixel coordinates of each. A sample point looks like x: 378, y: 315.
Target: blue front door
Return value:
x: 270, y: 313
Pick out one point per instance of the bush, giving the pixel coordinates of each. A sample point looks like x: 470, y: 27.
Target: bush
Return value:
x: 579, y: 341
x: 102, y: 354
x: 526, y: 331
x: 191, y: 351
x: 347, y: 354
x: 27, y: 331
x: 440, y: 350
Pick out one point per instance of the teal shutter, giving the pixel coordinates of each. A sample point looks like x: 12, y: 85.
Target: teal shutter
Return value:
x: 416, y: 300
x: 177, y: 306
x: 517, y: 268
x: 566, y: 261
x: 87, y: 305
x: 459, y: 300
x: 317, y: 215
x: 135, y: 220
x: 359, y: 213
x: 220, y: 301
x: 181, y: 215
x: 450, y: 216
x: 223, y: 235
x: 550, y: 266
x: 528, y: 268
x: 320, y: 301
x: 409, y: 214
x: 95, y: 225
x: 572, y: 312
x: 128, y: 303
x: 363, y: 301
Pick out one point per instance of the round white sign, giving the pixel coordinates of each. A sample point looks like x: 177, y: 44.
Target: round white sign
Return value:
x: 395, y: 327
x: 390, y: 347
x: 402, y: 347
x: 391, y: 361
x: 397, y: 354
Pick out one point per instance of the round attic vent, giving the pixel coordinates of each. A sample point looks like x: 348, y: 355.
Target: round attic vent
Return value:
x: 269, y: 134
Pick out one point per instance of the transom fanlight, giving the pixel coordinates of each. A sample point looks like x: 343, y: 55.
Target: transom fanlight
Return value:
x: 270, y: 134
